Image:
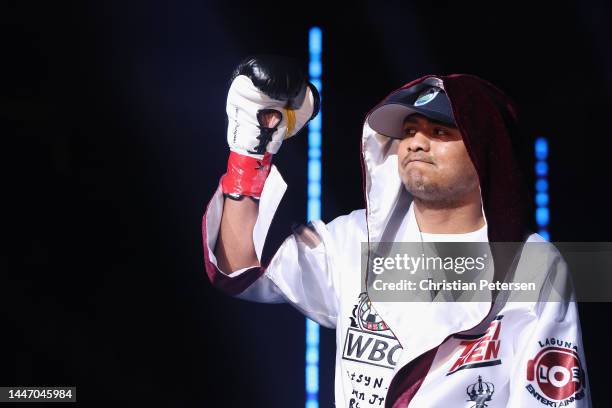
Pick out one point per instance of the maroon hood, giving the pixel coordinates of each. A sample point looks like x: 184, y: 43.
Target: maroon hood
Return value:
x: 488, y: 120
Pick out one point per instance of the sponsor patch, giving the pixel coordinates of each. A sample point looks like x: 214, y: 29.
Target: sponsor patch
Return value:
x: 481, y: 350
x: 555, y: 374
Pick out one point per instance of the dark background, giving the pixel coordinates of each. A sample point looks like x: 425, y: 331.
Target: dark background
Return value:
x: 113, y: 142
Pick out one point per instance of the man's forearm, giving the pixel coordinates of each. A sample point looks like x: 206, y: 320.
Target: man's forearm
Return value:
x: 235, y: 248
x: 269, y: 100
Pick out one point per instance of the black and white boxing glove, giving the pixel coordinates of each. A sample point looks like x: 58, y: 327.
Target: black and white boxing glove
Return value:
x: 262, y: 86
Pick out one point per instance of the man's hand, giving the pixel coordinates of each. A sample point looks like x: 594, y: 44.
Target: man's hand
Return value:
x: 269, y: 100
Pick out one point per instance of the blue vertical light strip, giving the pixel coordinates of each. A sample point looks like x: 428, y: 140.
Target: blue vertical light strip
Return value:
x: 542, y: 198
x: 314, y: 210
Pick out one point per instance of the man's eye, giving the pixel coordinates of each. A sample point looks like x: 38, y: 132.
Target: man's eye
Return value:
x: 440, y: 132
x: 409, y: 132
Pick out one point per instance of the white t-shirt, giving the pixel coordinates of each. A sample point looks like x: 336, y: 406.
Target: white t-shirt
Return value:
x: 480, y: 235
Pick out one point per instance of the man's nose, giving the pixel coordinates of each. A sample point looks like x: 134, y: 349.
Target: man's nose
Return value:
x: 419, y: 141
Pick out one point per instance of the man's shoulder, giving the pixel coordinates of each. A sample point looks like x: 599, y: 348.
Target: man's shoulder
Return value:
x: 545, y: 250
x: 535, y: 237
x: 351, y: 223
x: 354, y: 217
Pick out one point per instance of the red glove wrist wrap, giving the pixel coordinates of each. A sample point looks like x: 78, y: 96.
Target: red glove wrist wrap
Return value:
x: 245, y: 175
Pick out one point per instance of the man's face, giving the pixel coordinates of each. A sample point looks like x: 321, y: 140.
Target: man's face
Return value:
x: 434, y: 164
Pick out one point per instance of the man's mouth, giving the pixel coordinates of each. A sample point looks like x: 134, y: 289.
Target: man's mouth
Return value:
x: 409, y: 160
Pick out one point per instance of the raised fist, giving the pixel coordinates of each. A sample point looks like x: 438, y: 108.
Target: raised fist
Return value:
x: 269, y: 100
x: 268, y: 85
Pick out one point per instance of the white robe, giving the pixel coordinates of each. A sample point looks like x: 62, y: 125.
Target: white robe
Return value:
x: 514, y: 354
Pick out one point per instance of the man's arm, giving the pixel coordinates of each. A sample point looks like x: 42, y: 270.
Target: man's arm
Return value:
x: 268, y: 101
x: 235, y: 249
x: 546, y: 371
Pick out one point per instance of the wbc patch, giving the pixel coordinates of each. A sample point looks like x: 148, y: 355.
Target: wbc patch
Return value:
x: 481, y: 350
x: 369, y: 340
x: 555, y: 374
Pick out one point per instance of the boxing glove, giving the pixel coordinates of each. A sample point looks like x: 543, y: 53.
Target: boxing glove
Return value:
x: 262, y: 86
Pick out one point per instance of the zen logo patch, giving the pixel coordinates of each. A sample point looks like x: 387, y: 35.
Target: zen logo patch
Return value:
x: 479, y: 351
x: 555, y: 374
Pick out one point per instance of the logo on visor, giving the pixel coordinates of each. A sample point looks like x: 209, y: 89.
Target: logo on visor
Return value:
x: 427, y: 96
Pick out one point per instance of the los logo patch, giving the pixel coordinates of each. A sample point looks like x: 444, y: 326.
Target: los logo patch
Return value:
x: 557, y: 373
